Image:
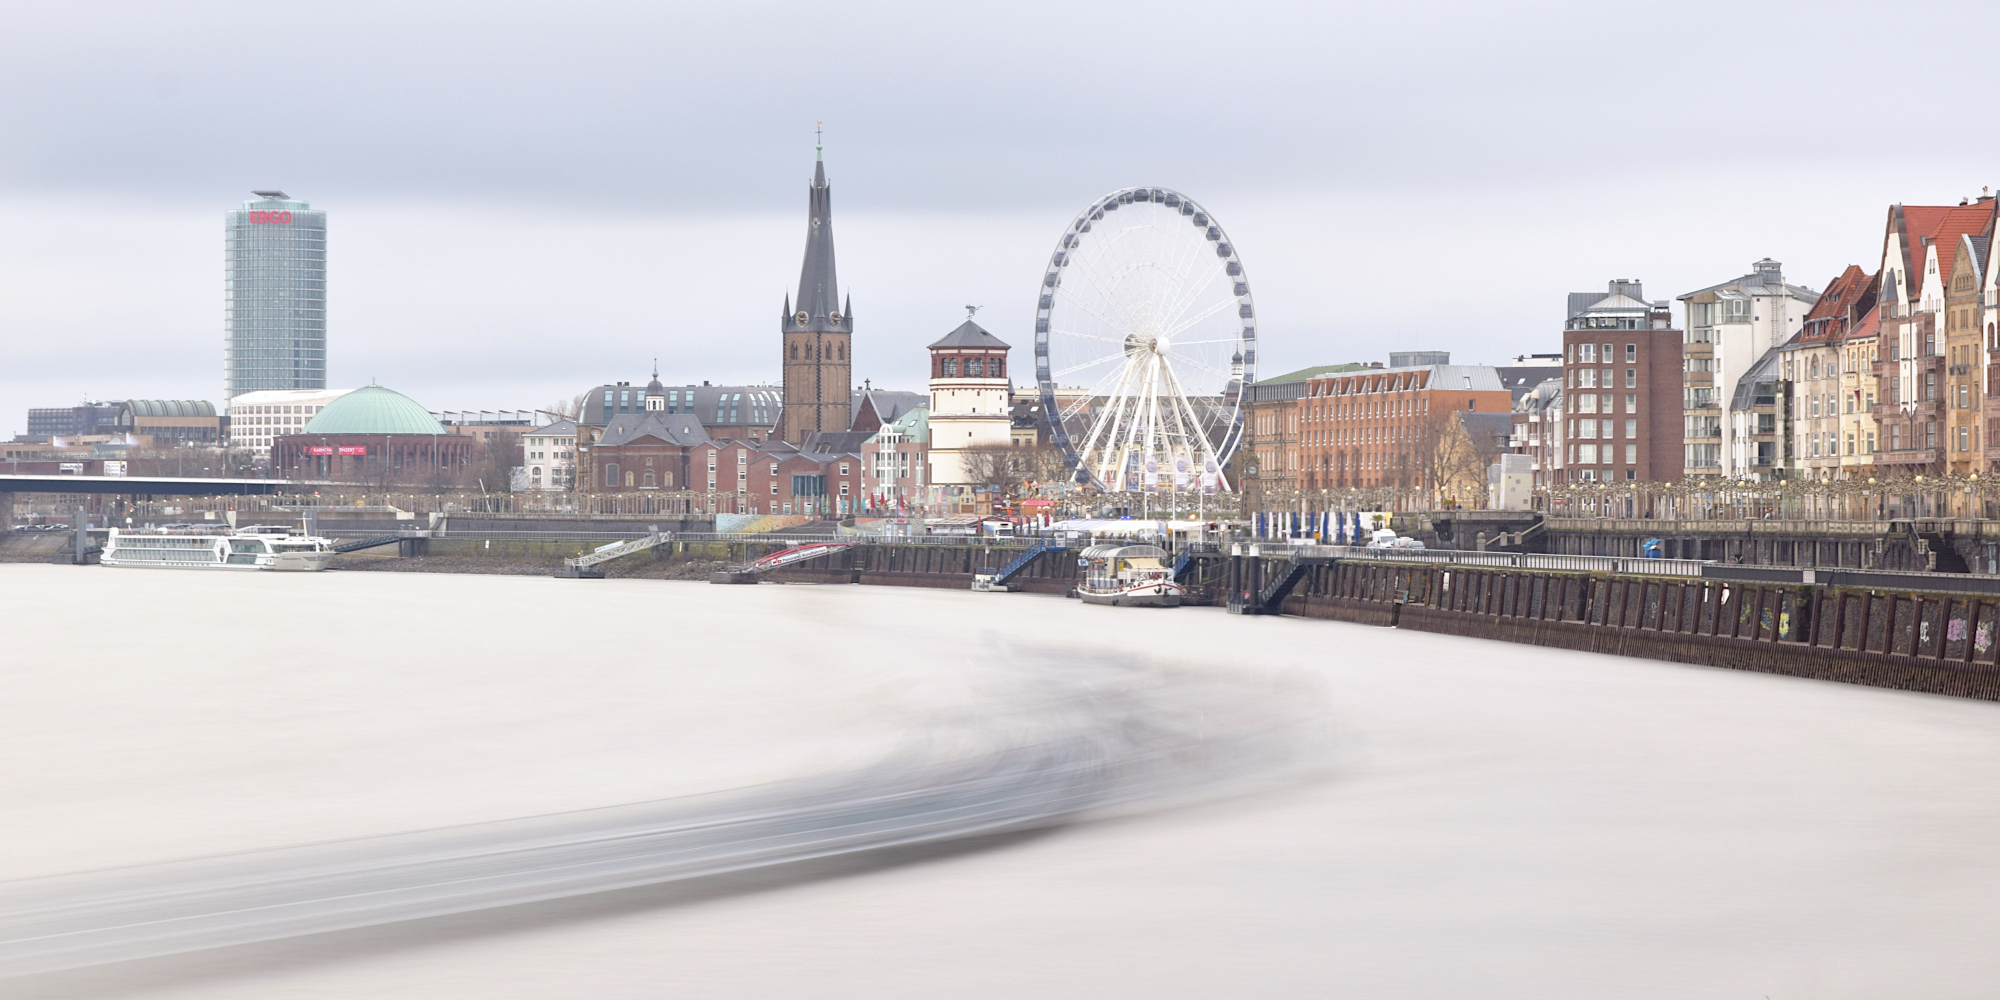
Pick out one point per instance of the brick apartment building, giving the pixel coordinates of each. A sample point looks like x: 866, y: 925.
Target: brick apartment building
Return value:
x: 1267, y: 461
x: 1621, y: 389
x: 1380, y: 427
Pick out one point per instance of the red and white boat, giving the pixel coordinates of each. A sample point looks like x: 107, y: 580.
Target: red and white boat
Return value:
x: 1125, y: 575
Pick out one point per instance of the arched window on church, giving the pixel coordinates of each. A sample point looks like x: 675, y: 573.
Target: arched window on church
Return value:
x: 649, y: 479
x: 975, y: 367
x: 951, y: 368
x: 611, y: 476
x: 997, y: 367
x: 795, y: 351
x: 843, y: 352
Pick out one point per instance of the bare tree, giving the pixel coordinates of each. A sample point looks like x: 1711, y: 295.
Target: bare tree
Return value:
x: 493, y: 463
x: 1001, y: 467
x: 1044, y: 464
x: 568, y: 409
x: 1450, y: 462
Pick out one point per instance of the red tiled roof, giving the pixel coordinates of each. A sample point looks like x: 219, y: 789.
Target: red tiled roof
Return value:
x: 1868, y: 324
x: 1943, y: 224
x: 1840, y: 293
x: 1850, y: 293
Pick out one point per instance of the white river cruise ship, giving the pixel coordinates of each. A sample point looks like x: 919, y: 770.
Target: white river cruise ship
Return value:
x: 273, y: 548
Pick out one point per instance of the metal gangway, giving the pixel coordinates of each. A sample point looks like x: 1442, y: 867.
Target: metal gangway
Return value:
x: 391, y: 538
x: 987, y: 583
x: 797, y: 553
x: 589, y: 565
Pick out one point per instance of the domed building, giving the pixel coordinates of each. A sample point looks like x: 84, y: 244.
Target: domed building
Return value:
x: 376, y: 433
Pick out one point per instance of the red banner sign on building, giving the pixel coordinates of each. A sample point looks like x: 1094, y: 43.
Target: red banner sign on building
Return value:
x: 354, y: 449
x: 319, y: 449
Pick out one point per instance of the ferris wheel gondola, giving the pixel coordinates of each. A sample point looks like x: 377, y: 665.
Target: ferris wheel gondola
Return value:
x: 1144, y: 338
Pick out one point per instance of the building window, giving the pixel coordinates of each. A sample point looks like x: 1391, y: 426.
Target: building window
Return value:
x: 951, y: 368
x: 1631, y: 378
x: 649, y: 479
x: 1631, y: 353
x: 1631, y: 430
x: 774, y: 491
x: 611, y: 475
x: 1631, y: 454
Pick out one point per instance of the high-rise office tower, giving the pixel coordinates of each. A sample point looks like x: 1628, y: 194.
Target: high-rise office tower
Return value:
x: 274, y: 296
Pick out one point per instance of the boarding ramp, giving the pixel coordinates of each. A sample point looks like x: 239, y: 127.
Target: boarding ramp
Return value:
x: 590, y: 565
x: 1001, y: 582
x: 797, y: 553
x: 377, y: 541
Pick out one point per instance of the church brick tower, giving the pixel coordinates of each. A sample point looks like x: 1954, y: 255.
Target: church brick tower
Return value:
x: 818, y: 330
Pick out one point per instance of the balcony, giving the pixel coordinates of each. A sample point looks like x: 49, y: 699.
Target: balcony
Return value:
x: 1909, y: 456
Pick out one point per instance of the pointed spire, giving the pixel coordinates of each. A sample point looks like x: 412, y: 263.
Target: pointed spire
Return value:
x: 819, y: 292
x: 787, y: 314
x: 847, y: 309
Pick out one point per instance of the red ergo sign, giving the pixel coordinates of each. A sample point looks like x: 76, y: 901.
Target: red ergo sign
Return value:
x: 284, y: 218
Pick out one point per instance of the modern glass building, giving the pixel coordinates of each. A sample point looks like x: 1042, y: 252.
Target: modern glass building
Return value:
x: 274, y: 297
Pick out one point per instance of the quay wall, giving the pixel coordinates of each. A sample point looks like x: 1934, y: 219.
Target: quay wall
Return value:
x: 1896, y: 636
x: 1939, y: 643
x: 1949, y: 545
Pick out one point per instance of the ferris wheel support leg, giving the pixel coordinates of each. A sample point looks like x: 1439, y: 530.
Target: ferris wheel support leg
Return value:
x: 1090, y: 444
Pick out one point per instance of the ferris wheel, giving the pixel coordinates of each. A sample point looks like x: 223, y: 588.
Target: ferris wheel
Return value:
x: 1144, y: 339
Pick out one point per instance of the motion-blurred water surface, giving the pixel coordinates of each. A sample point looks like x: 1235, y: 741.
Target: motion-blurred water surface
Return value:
x: 1295, y: 808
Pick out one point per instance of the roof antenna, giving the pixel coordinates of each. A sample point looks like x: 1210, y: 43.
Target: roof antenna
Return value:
x: 969, y: 310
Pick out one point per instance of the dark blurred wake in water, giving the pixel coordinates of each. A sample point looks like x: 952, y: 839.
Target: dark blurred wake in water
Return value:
x: 1053, y: 740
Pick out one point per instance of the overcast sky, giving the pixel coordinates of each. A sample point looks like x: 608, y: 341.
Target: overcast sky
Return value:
x: 526, y: 200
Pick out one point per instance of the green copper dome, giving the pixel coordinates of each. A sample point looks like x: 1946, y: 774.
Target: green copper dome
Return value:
x: 373, y: 409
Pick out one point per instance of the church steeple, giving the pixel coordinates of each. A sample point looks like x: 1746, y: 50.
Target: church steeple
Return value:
x: 817, y: 329
x: 819, y: 287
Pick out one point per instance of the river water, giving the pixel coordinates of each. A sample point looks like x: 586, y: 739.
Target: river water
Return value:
x: 1434, y: 815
